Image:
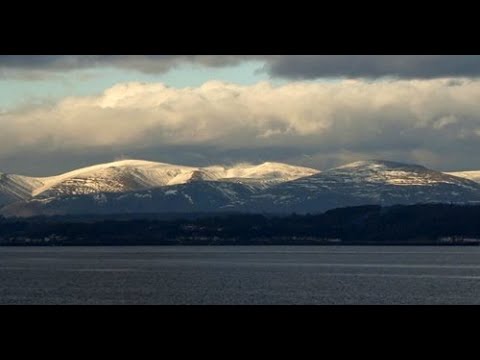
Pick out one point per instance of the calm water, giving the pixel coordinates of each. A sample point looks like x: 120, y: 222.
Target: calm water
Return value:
x: 240, y: 275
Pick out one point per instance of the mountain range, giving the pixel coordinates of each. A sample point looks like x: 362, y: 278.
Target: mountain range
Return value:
x: 137, y: 186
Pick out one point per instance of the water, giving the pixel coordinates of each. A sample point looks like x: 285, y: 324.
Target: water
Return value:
x: 240, y: 275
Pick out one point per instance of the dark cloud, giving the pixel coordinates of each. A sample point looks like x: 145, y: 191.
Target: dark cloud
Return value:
x: 373, y: 66
x: 284, y: 66
x: 143, y: 63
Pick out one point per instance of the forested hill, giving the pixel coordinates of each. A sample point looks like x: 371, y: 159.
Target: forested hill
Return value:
x: 414, y: 224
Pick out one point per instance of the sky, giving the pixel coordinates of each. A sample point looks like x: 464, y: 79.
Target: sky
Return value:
x: 58, y: 113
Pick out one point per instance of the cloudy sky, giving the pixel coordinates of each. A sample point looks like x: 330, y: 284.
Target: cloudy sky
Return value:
x: 62, y: 112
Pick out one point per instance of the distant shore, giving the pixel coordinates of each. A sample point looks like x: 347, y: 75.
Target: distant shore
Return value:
x: 415, y: 225
x: 253, y: 242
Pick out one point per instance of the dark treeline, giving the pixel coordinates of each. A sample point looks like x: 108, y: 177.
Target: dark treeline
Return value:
x: 415, y: 224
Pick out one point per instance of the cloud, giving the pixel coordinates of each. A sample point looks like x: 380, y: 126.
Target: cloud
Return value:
x: 374, y: 66
x: 33, y: 67
x: 283, y: 66
x: 427, y: 121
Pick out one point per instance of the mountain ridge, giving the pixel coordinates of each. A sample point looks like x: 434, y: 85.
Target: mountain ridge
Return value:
x: 136, y: 175
x: 132, y: 186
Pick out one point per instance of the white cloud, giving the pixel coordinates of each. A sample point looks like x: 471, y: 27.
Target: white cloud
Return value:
x: 350, y: 116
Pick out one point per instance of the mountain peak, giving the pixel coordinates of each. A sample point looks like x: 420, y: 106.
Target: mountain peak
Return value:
x: 129, y: 163
x: 387, y: 173
x: 378, y: 164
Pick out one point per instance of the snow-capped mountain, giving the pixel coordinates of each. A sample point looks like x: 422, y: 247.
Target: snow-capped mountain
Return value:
x: 119, y: 176
x: 470, y: 175
x: 136, y: 175
x: 369, y: 182
x: 135, y: 186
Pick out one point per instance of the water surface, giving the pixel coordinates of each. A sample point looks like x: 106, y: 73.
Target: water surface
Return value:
x: 240, y: 275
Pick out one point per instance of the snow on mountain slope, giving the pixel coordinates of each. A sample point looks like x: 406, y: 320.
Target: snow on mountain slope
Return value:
x: 131, y: 175
x: 135, y: 175
x: 197, y: 196
x: 369, y: 182
x: 268, y: 171
x: 393, y: 173
x: 470, y: 175
x: 119, y: 176
x: 16, y: 187
x: 144, y: 186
